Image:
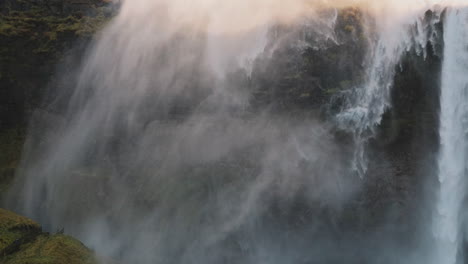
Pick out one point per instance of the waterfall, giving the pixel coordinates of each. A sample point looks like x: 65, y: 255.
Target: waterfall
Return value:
x: 367, y: 103
x: 157, y: 160
x: 157, y: 156
x: 453, y: 135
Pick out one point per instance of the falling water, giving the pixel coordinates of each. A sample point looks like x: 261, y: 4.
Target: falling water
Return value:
x: 367, y: 103
x: 453, y: 135
x: 157, y: 160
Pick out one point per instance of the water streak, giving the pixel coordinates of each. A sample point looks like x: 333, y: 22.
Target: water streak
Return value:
x: 454, y: 138
x: 367, y: 103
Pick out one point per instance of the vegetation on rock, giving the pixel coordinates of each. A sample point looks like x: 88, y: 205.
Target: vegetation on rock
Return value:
x: 22, y: 241
x: 34, y: 37
x: 306, y: 78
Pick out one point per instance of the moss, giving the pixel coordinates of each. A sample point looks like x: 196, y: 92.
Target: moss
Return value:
x: 332, y: 91
x: 12, y: 221
x: 31, y: 42
x: 352, y: 15
x: 349, y: 28
x: 10, y: 28
x: 21, y: 242
x: 49, y: 32
x: 7, y: 238
x: 51, y: 35
x: 13, y: 227
x: 351, y: 22
x: 56, y: 249
x: 28, y: 23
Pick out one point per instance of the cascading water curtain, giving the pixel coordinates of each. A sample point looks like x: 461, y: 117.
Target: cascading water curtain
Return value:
x: 453, y: 136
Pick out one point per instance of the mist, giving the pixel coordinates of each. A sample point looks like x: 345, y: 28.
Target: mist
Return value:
x: 154, y: 152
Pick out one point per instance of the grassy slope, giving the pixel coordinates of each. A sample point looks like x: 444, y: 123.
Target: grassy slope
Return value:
x: 22, y: 241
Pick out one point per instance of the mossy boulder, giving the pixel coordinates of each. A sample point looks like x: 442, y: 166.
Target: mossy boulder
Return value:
x: 22, y: 241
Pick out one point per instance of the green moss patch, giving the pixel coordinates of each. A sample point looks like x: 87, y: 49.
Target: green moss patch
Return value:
x: 12, y: 221
x: 14, y: 228
x: 56, y: 249
x: 47, y: 32
x: 21, y: 242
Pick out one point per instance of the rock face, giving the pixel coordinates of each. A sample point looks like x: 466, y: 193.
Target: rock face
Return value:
x: 58, y: 7
x: 22, y: 241
x: 403, y: 152
x: 406, y: 146
x: 33, y: 40
x: 297, y: 79
x: 36, y: 36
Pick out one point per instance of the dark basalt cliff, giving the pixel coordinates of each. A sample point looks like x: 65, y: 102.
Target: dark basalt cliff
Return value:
x: 403, y: 151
